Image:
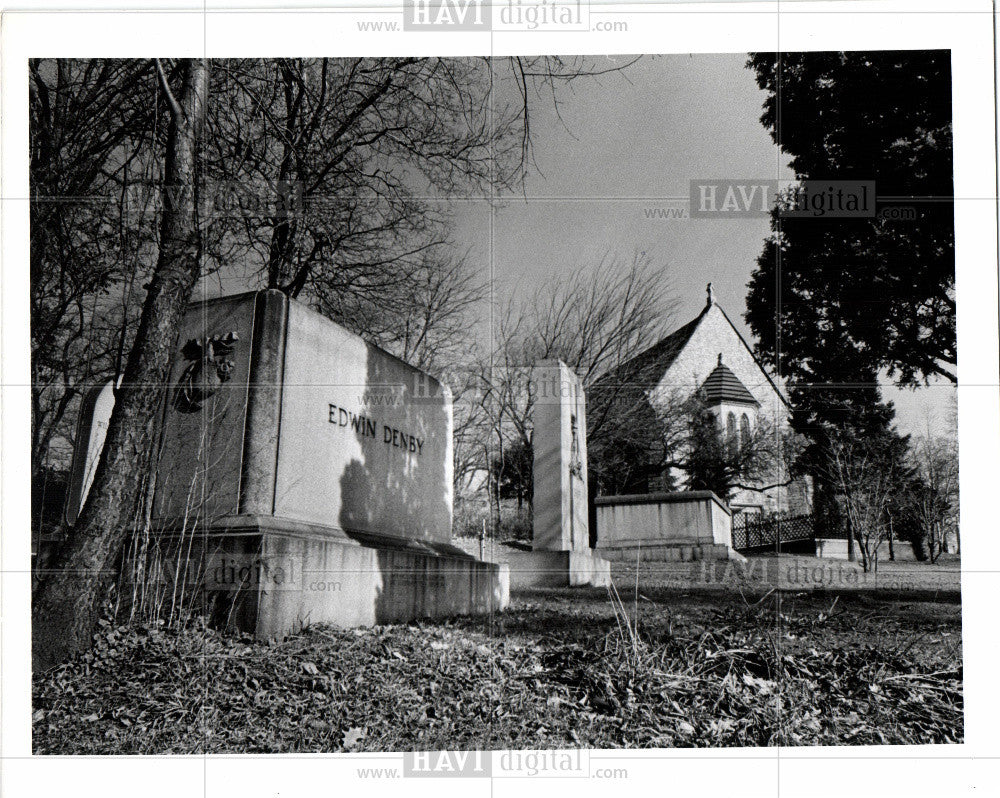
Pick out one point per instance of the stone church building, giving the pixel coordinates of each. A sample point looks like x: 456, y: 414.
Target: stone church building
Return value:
x: 708, y: 354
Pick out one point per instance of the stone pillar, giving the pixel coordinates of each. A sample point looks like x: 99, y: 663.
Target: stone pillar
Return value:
x: 559, y: 443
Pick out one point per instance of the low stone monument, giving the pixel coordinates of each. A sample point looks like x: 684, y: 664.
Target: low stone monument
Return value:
x: 306, y: 473
x: 665, y: 527
x: 560, y: 553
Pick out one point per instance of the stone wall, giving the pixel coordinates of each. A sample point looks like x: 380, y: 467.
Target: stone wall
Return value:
x: 836, y: 548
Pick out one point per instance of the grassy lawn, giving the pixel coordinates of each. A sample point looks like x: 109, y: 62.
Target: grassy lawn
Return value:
x: 560, y: 668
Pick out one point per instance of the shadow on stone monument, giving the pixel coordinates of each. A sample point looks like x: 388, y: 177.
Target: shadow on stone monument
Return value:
x: 305, y: 477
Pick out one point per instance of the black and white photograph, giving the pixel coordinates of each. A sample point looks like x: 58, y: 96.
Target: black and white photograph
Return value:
x: 429, y: 404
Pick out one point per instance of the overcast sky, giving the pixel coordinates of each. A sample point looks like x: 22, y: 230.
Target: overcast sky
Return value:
x: 621, y: 141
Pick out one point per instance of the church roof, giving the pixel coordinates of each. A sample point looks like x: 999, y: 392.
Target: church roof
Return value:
x: 661, y: 355
x: 649, y: 366
x: 724, y: 386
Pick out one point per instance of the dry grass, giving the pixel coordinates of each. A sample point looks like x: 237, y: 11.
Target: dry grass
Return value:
x: 559, y: 669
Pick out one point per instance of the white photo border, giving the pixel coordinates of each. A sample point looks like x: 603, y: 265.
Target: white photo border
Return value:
x: 965, y: 28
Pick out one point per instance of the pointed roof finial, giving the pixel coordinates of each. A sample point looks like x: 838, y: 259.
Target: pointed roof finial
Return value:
x: 711, y: 296
x: 720, y: 358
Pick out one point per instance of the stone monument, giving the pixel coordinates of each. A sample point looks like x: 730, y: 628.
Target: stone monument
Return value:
x: 559, y: 444
x: 560, y: 553
x: 308, y: 472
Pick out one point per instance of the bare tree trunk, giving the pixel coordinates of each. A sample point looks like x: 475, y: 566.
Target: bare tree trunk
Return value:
x: 493, y: 492
x: 863, y: 546
x: 67, y: 604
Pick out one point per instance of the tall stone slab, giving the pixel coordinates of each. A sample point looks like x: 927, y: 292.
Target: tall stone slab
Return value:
x: 559, y: 442
x: 560, y: 554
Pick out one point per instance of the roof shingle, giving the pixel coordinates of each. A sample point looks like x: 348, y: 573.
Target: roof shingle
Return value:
x: 724, y: 386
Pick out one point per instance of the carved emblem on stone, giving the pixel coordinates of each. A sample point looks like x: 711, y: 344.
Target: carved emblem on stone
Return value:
x: 575, y: 463
x: 210, y: 366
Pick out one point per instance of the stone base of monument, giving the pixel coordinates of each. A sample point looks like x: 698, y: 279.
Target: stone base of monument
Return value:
x: 272, y: 577
x: 657, y: 551
x: 536, y: 568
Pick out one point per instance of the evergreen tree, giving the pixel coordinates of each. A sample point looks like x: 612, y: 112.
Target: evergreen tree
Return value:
x: 883, y: 287
x: 836, y: 302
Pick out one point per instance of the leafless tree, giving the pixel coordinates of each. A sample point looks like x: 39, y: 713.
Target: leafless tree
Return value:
x: 600, y: 317
x: 93, y: 134
x: 594, y: 321
x: 376, y: 149
x: 932, y: 499
x: 67, y: 604
x: 866, y: 478
x: 424, y: 319
x: 331, y: 179
x: 369, y: 142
